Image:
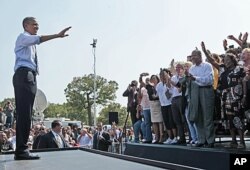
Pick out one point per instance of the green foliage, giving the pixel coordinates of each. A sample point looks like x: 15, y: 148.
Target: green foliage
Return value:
x: 80, y: 99
x: 114, y: 107
x: 2, y: 103
x: 64, y: 110
x: 80, y: 94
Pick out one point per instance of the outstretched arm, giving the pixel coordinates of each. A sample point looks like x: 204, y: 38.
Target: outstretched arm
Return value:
x: 59, y: 35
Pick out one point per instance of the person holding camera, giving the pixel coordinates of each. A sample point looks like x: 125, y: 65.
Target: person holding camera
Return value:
x: 9, y: 109
x: 131, y: 92
x: 2, y: 118
x: 145, y: 107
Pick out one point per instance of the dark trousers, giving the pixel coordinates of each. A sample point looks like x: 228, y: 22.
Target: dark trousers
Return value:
x: 133, y: 111
x: 25, y: 86
x: 178, y: 116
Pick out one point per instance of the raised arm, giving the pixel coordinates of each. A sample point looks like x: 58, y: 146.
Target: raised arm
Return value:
x: 209, y: 56
x: 225, y: 44
x: 231, y: 37
x: 244, y: 40
x: 172, y: 69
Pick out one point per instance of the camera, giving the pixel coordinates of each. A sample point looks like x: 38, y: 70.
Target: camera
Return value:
x: 133, y: 83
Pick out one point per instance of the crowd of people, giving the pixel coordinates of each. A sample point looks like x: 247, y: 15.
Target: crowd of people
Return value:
x: 189, y: 95
x: 59, y: 136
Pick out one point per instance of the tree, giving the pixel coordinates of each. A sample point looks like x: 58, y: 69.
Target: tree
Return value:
x: 12, y: 100
x: 80, y: 93
x: 63, y: 110
x: 114, y: 107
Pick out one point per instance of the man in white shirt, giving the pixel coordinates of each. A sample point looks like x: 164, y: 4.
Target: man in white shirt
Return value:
x: 85, y: 138
x: 202, y: 99
x: 25, y: 83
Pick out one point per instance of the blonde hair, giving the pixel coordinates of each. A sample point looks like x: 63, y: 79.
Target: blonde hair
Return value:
x: 188, y: 63
x: 246, y: 50
x: 216, y: 57
x: 181, y: 63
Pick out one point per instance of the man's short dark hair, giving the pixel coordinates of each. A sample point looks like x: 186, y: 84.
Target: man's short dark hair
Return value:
x: 55, y: 123
x: 28, y: 20
x: 196, y: 52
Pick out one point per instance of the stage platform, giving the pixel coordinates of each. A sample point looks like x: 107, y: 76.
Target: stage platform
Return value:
x: 135, y: 157
x: 217, y: 158
x: 70, y: 160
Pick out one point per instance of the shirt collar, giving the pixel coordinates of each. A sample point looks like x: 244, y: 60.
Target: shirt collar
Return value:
x: 25, y: 32
x: 54, y: 133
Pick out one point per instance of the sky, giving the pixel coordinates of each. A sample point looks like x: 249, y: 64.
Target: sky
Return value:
x: 133, y: 36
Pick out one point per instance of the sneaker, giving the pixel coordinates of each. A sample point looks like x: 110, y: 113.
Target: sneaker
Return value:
x: 174, y: 141
x: 155, y: 141
x: 143, y: 140
x: 168, y: 141
x: 193, y: 143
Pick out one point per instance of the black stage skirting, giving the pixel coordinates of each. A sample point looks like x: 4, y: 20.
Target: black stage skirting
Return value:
x: 187, y: 156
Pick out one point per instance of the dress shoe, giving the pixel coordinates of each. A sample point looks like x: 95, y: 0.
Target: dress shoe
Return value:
x: 210, y: 145
x: 232, y: 144
x: 199, y: 145
x: 241, y: 146
x: 26, y: 156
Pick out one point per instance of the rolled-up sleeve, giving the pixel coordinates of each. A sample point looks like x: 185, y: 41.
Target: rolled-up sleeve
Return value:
x: 28, y: 40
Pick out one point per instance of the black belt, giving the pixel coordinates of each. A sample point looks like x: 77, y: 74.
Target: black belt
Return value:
x: 26, y: 69
x: 209, y: 86
x: 176, y: 97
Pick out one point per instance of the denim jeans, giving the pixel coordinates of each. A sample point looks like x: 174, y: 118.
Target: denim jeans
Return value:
x: 147, y: 120
x: 192, y: 127
x: 137, y: 128
x: 143, y: 129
